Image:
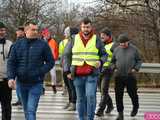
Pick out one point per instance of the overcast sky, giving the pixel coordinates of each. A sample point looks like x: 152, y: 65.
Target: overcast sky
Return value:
x: 81, y: 1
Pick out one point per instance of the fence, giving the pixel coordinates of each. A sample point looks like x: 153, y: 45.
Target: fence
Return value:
x: 150, y: 68
x: 147, y: 76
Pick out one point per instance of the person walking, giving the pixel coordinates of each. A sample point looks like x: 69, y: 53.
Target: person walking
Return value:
x: 106, y: 74
x: 126, y: 62
x: 71, y: 105
x: 46, y: 35
x: 82, y: 58
x: 30, y: 58
x: 19, y: 34
x: 5, y: 91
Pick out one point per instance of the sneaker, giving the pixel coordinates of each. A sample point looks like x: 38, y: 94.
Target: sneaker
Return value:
x: 17, y: 103
x: 66, y: 106
x: 109, y: 110
x: 134, y: 112
x: 120, y: 116
x: 72, y: 107
x: 99, y: 113
x: 64, y: 93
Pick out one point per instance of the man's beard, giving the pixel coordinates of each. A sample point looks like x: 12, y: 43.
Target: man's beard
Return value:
x: 2, y: 36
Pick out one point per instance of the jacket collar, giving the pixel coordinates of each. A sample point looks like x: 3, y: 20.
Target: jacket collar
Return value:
x: 2, y: 40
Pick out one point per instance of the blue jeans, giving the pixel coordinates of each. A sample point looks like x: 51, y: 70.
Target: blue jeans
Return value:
x: 18, y: 93
x: 30, y: 95
x: 86, y: 96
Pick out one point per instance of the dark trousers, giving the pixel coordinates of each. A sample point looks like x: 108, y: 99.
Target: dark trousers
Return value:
x: 5, y: 99
x: 131, y: 84
x: 104, y: 81
x: 70, y: 88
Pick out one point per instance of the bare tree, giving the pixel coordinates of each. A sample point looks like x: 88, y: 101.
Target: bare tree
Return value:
x: 16, y: 12
x: 140, y: 18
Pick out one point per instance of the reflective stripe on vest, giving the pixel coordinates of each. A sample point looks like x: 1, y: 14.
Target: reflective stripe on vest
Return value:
x: 81, y: 53
x: 108, y: 50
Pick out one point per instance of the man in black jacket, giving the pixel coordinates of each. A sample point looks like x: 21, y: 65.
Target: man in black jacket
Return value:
x: 30, y: 58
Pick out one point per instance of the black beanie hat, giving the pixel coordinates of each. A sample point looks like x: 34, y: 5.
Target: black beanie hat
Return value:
x: 2, y: 25
x: 107, y: 31
x: 73, y: 31
x: 122, y: 38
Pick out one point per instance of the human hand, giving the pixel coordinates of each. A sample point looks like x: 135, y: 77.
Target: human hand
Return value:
x: 11, y: 83
x: 98, y: 64
x: 69, y: 76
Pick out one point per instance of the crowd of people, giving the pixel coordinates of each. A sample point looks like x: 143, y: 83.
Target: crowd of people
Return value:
x: 88, y: 62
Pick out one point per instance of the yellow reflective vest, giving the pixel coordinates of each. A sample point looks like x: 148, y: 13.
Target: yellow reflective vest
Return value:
x: 84, y: 54
x: 108, y: 50
x: 62, y: 45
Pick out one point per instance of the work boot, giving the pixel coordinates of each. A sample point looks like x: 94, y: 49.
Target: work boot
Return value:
x: 72, y: 107
x: 134, y: 112
x: 99, y: 113
x: 17, y: 103
x: 120, y: 116
x: 54, y: 89
x: 67, y: 105
x: 109, y: 109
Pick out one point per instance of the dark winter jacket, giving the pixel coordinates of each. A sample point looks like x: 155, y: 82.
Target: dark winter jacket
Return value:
x: 29, y: 60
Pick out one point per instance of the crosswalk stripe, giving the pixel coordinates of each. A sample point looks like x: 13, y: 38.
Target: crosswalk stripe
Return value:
x: 51, y: 107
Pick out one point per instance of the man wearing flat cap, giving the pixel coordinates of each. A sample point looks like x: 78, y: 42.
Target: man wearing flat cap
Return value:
x: 5, y: 91
x: 126, y: 61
